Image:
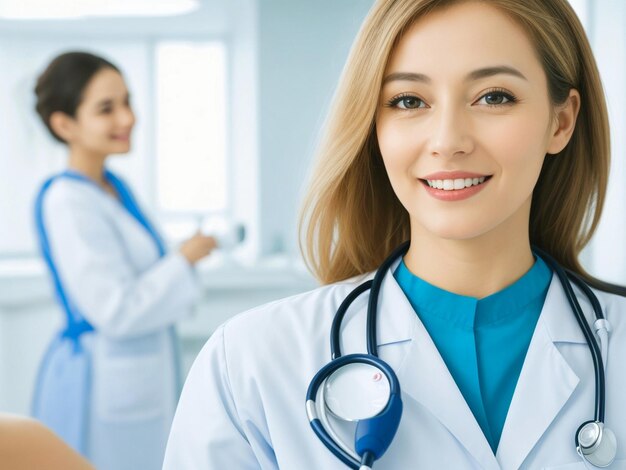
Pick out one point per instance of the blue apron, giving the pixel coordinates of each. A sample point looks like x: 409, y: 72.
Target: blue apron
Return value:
x: 63, y: 387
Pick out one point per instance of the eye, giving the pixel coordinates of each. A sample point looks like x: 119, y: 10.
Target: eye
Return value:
x: 406, y: 102
x: 498, y: 98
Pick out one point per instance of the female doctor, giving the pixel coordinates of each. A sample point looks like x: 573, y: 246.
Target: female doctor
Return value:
x: 477, y: 130
x: 109, y: 383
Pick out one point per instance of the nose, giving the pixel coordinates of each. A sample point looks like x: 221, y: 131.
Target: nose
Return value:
x: 450, y: 132
x: 126, y: 117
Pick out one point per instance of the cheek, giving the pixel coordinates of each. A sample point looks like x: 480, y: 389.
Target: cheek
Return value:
x: 520, y: 151
x: 100, y: 130
x: 398, y: 149
x: 91, y: 128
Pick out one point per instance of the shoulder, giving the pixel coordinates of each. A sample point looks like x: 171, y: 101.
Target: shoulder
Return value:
x: 296, y: 326
x: 70, y: 200
x: 283, y: 342
x: 306, y: 311
x: 68, y: 205
x: 65, y: 192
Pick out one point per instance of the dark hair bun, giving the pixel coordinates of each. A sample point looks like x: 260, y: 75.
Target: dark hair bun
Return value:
x: 60, y: 87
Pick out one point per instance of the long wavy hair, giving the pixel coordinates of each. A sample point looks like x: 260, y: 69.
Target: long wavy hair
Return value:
x: 351, y: 218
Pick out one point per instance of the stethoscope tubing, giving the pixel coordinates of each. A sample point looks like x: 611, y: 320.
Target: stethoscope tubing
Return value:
x: 596, y: 355
x: 335, y: 330
x: 566, y: 277
x: 372, y: 310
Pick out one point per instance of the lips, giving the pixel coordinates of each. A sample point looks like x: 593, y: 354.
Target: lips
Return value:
x: 451, y: 175
x: 454, y: 185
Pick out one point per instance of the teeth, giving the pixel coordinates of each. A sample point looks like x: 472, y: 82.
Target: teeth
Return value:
x: 459, y: 183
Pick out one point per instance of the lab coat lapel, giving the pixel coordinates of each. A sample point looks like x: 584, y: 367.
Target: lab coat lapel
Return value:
x: 425, y: 378
x: 545, y: 383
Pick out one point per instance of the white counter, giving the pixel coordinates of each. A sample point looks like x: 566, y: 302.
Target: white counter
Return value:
x: 29, y: 315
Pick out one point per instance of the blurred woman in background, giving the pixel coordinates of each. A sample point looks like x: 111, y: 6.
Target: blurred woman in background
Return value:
x: 109, y: 383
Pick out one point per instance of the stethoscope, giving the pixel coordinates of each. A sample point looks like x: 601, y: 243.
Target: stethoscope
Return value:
x: 364, y: 389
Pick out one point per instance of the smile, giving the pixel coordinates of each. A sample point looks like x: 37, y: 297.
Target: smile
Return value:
x: 456, y: 184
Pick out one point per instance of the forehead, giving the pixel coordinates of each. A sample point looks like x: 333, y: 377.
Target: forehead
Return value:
x: 463, y: 37
x: 105, y: 84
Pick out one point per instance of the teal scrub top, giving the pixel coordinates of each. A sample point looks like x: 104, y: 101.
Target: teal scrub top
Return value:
x: 482, y: 341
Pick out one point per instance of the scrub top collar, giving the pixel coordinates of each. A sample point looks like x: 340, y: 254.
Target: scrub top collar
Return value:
x: 469, y: 312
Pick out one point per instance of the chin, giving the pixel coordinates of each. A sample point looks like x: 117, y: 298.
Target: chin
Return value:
x: 458, y: 230
x: 120, y: 149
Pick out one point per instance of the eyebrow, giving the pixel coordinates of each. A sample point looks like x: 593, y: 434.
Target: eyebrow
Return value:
x: 109, y: 101
x: 104, y: 103
x: 475, y: 75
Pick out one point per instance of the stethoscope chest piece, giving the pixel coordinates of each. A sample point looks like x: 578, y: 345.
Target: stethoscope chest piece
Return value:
x: 363, y: 389
x: 596, y: 444
x: 356, y: 391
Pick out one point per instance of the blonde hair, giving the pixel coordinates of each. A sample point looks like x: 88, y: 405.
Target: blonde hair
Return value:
x: 351, y: 218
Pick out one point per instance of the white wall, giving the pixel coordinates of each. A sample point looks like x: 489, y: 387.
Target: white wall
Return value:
x: 607, y: 31
x: 243, y: 119
x: 302, y: 49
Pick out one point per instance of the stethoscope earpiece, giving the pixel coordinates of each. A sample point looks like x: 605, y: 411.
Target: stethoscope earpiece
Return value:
x: 596, y: 444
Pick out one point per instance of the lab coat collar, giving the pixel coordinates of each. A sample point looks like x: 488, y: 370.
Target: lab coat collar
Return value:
x: 423, y: 374
x: 546, y: 382
x: 558, y: 317
x: 545, y: 385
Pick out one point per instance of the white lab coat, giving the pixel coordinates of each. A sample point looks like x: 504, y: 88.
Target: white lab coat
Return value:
x: 243, y: 404
x: 110, y: 268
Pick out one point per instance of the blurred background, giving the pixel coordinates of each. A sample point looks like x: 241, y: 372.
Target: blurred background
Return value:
x: 230, y: 97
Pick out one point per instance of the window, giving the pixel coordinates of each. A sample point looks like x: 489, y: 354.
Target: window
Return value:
x: 192, y: 171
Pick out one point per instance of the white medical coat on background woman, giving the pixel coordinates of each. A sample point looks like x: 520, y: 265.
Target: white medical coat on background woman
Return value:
x: 243, y: 405
x: 111, y: 270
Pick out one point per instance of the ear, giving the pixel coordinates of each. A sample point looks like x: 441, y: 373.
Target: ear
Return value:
x: 63, y: 125
x: 564, y: 123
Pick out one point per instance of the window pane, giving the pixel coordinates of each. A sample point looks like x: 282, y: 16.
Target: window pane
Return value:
x: 191, y: 127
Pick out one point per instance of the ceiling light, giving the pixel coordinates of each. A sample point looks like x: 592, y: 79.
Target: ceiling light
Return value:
x: 73, y: 9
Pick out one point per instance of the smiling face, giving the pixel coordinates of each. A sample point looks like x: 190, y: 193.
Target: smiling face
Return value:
x: 104, y: 119
x: 464, y: 123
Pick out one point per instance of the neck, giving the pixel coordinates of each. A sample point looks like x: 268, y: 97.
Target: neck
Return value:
x: 88, y: 164
x: 476, y: 267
